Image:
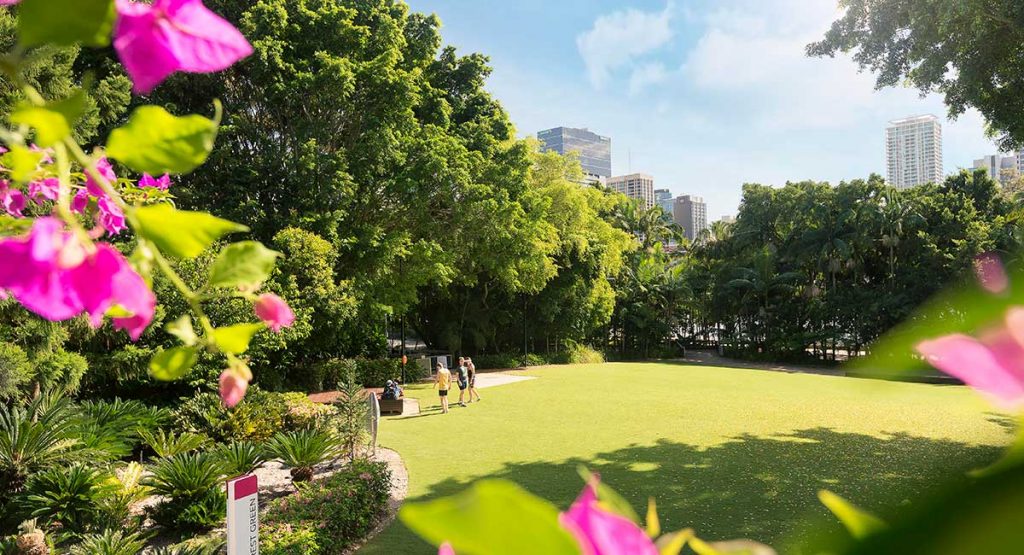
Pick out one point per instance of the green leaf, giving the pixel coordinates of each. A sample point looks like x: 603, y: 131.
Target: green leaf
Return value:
x: 156, y: 142
x: 182, y: 233
x: 247, y: 263
x: 859, y: 522
x: 495, y: 517
x: 172, y: 364
x: 235, y: 339
x: 183, y: 330
x: 609, y: 498
x: 22, y: 162
x: 54, y: 121
x: 66, y: 22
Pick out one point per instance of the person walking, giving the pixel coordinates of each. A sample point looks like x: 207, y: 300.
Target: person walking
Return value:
x: 443, y: 382
x: 471, y: 368
x: 463, y: 375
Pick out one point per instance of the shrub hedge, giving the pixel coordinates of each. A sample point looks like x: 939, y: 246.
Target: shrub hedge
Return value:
x: 328, y: 515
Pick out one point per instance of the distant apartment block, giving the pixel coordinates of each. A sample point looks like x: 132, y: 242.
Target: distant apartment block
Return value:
x: 913, y: 151
x: 728, y: 219
x: 639, y: 186
x: 594, y: 151
x: 1002, y: 168
x: 691, y: 214
x: 663, y: 198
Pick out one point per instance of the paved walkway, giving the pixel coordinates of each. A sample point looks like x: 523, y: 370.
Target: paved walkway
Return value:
x: 494, y: 379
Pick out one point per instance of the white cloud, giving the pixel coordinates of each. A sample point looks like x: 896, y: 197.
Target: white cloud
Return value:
x: 646, y: 75
x: 755, y: 53
x: 618, y: 38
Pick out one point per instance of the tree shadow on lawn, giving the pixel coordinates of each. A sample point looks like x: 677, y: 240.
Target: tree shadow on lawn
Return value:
x: 762, y: 488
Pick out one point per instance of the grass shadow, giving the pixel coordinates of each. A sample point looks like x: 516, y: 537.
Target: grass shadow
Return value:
x: 762, y: 488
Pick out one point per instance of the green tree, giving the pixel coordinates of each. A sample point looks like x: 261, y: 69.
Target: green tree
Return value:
x: 970, y: 51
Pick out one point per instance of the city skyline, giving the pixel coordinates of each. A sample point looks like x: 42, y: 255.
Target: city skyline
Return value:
x: 704, y: 95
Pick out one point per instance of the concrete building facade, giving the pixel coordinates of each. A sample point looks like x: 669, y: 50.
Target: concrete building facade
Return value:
x: 913, y: 151
x: 691, y: 214
x: 638, y: 186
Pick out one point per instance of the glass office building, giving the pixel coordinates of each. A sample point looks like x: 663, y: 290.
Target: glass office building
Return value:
x: 595, y: 151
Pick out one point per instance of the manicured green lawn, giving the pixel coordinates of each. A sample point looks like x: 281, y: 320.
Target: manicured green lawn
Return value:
x: 732, y: 453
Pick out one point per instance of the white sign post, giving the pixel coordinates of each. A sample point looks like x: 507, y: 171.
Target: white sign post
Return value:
x: 243, y: 516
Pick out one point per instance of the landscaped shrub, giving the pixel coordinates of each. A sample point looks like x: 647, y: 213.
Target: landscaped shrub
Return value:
x: 258, y: 417
x: 167, y: 444
x: 302, y: 413
x: 239, y: 458
x: 504, y: 361
x: 191, y: 486
x: 70, y: 496
x: 578, y: 353
x: 121, y: 491
x: 33, y: 438
x: 110, y: 542
x: 15, y: 370
x: 326, y: 516
x: 113, y: 426
x: 375, y: 372
x: 301, y: 451
x: 349, y: 424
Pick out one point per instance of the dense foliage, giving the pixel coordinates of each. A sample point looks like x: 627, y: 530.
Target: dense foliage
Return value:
x: 327, y: 516
x: 809, y: 267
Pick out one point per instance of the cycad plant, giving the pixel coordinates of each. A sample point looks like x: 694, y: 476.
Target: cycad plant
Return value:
x: 67, y: 495
x: 167, y: 444
x: 191, y: 486
x: 123, y: 490
x: 239, y: 458
x: 110, y: 542
x: 301, y: 451
x: 32, y: 438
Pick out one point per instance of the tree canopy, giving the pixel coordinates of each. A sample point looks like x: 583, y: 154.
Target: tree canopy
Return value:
x: 970, y: 51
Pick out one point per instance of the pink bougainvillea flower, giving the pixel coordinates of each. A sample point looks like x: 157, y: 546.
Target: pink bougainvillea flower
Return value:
x: 274, y: 312
x: 154, y: 41
x: 13, y: 200
x: 163, y: 182
x: 44, y: 189
x: 53, y: 274
x: 232, y: 388
x: 105, y: 169
x: 8, y: 2
x: 993, y: 364
x: 991, y: 273
x: 445, y: 549
x: 110, y: 216
x: 80, y: 202
x: 600, y: 532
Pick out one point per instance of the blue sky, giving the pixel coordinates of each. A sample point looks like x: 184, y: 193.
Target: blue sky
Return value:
x: 705, y: 95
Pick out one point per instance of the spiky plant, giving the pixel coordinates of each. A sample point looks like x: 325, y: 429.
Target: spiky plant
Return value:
x: 66, y: 495
x: 123, y: 490
x: 301, y: 451
x: 349, y: 424
x: 239, y: 458
x: 167, y: 444
x: 34, y: 437
x: 110, y: 542
x: 191, y: 486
